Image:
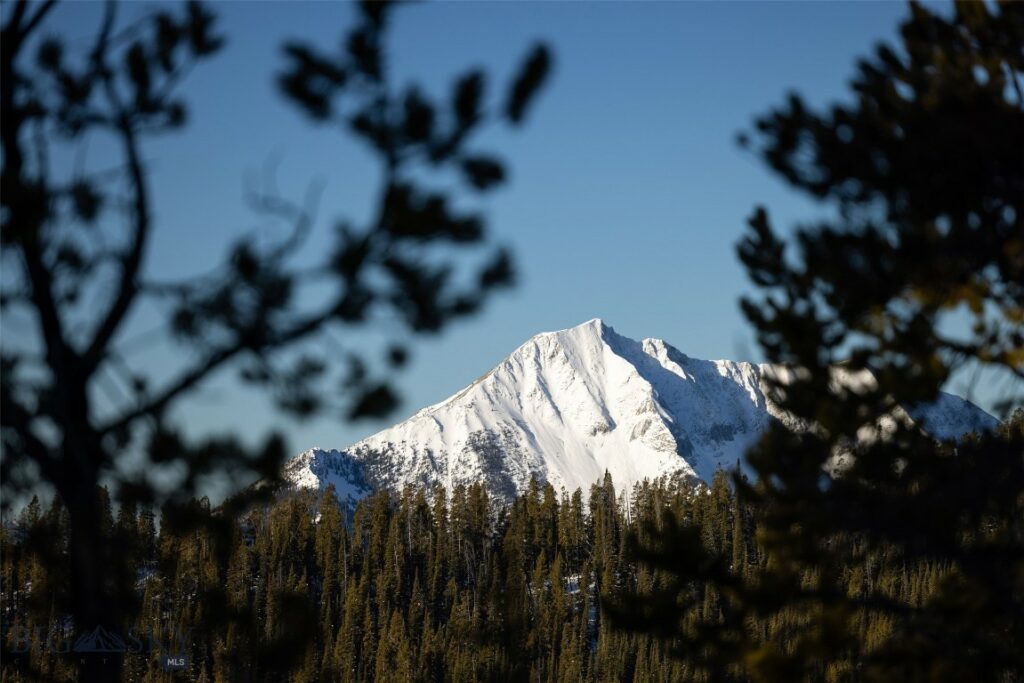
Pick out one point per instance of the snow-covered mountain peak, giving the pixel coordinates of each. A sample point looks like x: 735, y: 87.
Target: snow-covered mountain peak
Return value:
x: 594, y: 327
x: 568, y: 405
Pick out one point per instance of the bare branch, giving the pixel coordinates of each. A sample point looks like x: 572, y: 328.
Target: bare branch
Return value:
x: 13, y: 25
x: 127, y: 288
x: 302, y: 217
x: 215, y: 360
x: 11, y: 125
x: 37, y: 18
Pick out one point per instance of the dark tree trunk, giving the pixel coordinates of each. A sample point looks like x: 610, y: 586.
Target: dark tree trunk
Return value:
x: 96, y: 600
x: 96, y: 612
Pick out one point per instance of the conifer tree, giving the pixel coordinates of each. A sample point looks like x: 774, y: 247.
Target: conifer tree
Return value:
x: 924, y: 172
x: 71, y: 231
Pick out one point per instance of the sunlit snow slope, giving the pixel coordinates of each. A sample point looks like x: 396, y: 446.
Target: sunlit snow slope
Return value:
x: 567, y: 406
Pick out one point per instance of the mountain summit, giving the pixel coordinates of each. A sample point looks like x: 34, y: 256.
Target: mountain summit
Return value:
x: 567, y: 406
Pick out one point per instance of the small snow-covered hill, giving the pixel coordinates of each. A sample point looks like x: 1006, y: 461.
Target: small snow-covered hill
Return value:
x: 567, y: 406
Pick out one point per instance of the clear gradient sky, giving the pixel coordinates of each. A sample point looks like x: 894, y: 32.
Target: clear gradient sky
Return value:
x: 628, y: 191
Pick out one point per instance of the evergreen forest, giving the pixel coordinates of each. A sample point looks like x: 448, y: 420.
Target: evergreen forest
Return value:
x: 416, y: 586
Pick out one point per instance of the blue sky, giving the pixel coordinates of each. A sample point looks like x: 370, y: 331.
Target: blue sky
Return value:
x: 627, y: 193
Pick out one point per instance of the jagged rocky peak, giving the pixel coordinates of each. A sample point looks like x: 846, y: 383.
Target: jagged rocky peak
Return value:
x: 566, y: 406
x: 320, y: 468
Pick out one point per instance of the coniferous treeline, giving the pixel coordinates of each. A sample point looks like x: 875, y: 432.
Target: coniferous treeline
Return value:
x: 420, y: 586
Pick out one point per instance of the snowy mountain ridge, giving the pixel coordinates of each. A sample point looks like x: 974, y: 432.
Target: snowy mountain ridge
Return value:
x: 566, y: 406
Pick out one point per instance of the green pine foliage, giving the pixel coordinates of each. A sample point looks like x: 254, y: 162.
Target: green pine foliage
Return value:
x: 420, y: 586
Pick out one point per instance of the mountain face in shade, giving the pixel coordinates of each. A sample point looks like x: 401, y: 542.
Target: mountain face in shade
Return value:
x: 567, y: 406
